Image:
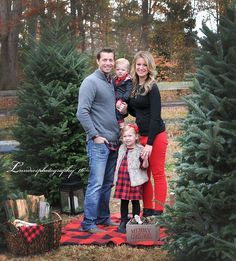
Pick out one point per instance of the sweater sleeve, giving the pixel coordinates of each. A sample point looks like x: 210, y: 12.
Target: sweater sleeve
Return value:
x: 155, y: 113
x: 87, y: 94
x: 131, y: 110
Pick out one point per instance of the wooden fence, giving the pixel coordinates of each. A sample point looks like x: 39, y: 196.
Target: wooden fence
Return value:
x: 171, y: 95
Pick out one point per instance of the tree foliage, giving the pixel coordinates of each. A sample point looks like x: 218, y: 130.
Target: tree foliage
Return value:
x: 164, y: 27
x: 126, y: 25
x: 2, y: 197
x: 201, y: 225
x: 175, y: 37
x: 50, y: 136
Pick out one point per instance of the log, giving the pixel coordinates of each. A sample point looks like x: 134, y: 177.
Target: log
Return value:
x: 33, y: 203
x: 10, y: 209
x: 22, y: 209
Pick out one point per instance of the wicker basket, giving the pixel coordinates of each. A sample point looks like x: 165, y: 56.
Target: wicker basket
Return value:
x: 47, y: 240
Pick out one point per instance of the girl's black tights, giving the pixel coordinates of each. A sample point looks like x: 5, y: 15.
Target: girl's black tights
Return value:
x: 124, y: 208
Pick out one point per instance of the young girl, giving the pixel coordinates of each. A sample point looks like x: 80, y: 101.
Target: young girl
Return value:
x: 130, y: 174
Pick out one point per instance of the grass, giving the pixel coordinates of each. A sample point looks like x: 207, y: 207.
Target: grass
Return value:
x: 109, y: 252
x: 123, y: 252
x: 97, y: 253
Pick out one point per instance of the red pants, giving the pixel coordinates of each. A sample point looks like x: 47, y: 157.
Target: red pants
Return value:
x: 157, y: 168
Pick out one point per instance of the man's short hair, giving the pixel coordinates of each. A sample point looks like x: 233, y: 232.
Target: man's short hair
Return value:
x: 105, y: 50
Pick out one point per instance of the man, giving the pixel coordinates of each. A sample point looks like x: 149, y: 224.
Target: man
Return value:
x: 96, y: 113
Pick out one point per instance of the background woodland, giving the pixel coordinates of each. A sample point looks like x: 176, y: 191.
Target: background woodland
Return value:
x: 164, y: 27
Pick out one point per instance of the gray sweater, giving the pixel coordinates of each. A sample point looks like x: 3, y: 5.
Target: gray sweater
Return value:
x: 96, y: 107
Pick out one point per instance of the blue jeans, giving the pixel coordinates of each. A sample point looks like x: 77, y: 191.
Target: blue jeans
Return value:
x: 102, y: 162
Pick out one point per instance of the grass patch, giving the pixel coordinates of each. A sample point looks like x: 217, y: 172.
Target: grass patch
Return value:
x: 97, y: 253
x: 173, y: 117
x: 169, y: 166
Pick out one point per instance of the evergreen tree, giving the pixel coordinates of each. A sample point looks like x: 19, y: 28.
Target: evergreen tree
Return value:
x: 1, y: 202
x: 2, y: 197
x: 201, y: 225
x: 49, y: 133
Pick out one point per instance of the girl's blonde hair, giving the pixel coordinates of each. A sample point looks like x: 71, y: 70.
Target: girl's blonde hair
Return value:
x: 148, y: 58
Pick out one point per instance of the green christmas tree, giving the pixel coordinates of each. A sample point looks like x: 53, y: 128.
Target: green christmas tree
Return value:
x: 202, y: 223
x: 52, y: 142
x: 2, y: 197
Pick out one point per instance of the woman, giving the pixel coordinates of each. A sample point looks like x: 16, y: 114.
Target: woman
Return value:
x: 145, y: 105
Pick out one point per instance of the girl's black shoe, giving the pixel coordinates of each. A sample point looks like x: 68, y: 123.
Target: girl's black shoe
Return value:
x: 122, y: 227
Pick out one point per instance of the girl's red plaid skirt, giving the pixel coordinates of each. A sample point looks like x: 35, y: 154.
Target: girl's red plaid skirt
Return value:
x: 123, y: 188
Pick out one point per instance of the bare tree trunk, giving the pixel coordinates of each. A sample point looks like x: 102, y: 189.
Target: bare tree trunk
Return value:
x: 49, y: 8
x: 73, y: 8
x: 73, y: 25
x: 220, y: 9
x: 91, y: 33
x: 144, y: 25
x: 33, y: 21
x: 81, y: 25
x: 10, y: 12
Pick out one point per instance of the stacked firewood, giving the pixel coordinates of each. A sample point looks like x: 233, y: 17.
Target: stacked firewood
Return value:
x: 23, y: 209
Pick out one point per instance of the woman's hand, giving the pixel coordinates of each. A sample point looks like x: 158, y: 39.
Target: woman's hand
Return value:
x: 118, y: 104
x: 147, y: 150
x: 123, y: 108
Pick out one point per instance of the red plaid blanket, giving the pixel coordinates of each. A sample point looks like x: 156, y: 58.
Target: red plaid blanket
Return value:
x: 72, y: 236
x: 31, y: 232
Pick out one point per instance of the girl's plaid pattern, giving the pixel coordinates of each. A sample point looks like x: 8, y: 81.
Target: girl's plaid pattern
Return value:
x: 31, y: 232
x: 123, y: 188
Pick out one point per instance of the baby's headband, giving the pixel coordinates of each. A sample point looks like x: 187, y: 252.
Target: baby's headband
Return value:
x: 134, y: 126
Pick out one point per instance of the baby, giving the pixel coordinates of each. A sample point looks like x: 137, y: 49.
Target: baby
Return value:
x: 123, y: 86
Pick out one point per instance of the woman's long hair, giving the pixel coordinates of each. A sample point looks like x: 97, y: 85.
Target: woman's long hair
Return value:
x: 148, y: 58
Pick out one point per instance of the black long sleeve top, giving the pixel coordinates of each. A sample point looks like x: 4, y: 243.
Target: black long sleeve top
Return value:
x: 147, y: 110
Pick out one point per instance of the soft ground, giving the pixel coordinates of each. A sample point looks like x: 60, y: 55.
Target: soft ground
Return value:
x: 173, y: 117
